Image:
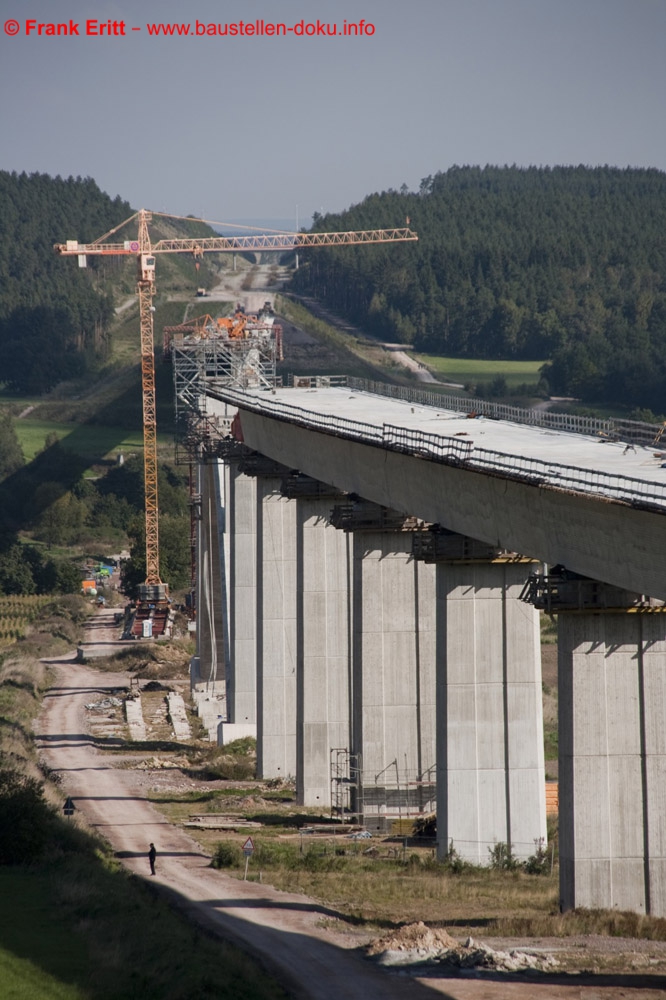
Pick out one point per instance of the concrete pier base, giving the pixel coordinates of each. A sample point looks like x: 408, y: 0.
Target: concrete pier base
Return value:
x: 612, y: 705
x: 490, y: 760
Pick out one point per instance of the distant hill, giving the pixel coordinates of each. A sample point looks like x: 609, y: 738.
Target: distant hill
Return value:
x: 563, y: 263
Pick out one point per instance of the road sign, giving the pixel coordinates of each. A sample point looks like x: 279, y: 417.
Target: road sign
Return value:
x: 248, y: 849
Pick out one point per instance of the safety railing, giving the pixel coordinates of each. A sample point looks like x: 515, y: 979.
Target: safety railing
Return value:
x: 414, y: 442
x: 631, y: 431
x: 341, y: 426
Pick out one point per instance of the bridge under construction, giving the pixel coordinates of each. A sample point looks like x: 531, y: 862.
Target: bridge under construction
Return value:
x: 372, y: 563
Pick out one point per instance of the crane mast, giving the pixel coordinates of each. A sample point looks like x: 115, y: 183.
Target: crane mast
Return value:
x: 146, y: 291
x: 145, y: 252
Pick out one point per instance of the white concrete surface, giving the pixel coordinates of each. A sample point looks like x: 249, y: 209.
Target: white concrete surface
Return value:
x: 210, y: 581
x: 324, y: 643
x: 541, y: 521
x: 227, y: 732
x: 393, y: 664
x: 211, y: 710
x: 134, y: 716
x: 613, y: 761
x: 491, y: 780
x: 496, y: 435
x: 242, y: 694
x: 276, y: 631
x: 178, y: 716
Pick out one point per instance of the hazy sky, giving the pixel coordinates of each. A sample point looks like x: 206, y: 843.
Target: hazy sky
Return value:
x: 251, y: 127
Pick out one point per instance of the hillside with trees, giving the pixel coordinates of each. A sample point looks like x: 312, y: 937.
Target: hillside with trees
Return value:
x: 58, y: 330
x: 55, y: 316
x: 564, y: 264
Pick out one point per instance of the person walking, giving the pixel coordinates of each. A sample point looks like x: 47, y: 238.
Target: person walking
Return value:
x: 152, y: 854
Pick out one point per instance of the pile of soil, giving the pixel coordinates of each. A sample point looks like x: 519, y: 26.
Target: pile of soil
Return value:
x: 413, y: 937
x: 416, y: 943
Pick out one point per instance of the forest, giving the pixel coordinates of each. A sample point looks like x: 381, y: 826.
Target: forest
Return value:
x: 566, y: 265
x: 56, y: 316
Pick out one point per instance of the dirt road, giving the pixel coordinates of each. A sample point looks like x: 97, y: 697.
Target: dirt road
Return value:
x: 305, y: 944
x: 285, y: 929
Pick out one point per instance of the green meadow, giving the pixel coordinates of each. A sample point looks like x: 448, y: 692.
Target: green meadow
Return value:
x: 91, y: 441
x: 475, y: 370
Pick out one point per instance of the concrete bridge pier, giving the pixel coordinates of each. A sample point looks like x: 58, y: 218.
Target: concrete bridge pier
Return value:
x: 276, y: 621
x: 242, y: 528
x: 211, y: 595
x: 393, y: 664
x: 208, y: 669
x: 612, y: 711
x: 490, y: 759
x: 323, y: 642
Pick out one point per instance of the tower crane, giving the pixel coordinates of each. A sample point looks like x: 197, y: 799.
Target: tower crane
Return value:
x: 145, y: 253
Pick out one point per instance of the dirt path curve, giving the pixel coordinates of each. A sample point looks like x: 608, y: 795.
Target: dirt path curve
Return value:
x: 283, y: 928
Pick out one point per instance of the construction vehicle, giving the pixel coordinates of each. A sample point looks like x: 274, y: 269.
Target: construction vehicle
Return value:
x: 153, y: 594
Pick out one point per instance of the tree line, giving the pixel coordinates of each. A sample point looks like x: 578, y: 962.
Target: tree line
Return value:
x: 564, y: 264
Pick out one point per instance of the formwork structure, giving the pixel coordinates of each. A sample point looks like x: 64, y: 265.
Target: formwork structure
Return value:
x: 378, y: 800
x: 242, y: 353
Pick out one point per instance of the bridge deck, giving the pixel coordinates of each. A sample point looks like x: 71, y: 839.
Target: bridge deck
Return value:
x: 576, y: 461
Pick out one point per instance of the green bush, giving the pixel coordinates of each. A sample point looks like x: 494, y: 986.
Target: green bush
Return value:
x: 272, y: 854
x: 454, y: 863
x: 226, y: 855
x: 502, y: 857
x: 315, y: 861
x: 539, y: 862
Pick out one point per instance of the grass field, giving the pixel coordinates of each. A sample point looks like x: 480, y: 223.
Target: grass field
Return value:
x: 88, y: 440
x: 91, y: 441
x: 474, y: 370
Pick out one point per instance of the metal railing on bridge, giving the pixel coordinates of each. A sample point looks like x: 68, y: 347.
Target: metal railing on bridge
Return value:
x: 612, y: 428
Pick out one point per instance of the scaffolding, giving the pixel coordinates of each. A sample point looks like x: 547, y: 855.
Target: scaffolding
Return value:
x: 377, y: 800
x: 397, y: 793
x: 562, y: 590
x: 242, y: 353
x: 345, y: 782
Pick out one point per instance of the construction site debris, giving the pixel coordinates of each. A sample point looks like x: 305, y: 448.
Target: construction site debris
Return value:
x: 415, y: 944
x: 103, y: 705
x: 155, y: 764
